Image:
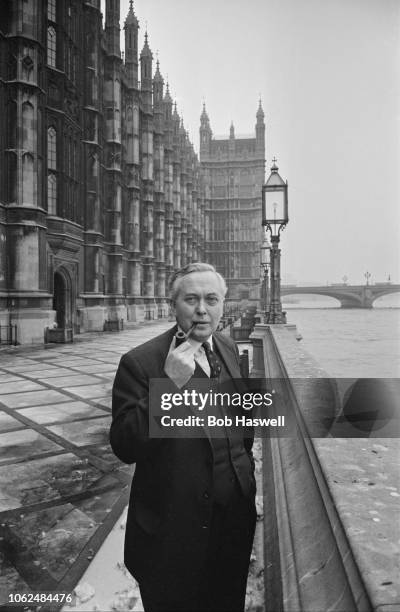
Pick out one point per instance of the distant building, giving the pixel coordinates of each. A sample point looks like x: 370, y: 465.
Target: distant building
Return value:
x: 100, y: 188
x: 233, y: 171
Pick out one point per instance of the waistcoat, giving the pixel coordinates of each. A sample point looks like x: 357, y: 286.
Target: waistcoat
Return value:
x: 231, y: 464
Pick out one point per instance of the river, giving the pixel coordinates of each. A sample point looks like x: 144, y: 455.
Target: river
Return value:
x: 350, y: 342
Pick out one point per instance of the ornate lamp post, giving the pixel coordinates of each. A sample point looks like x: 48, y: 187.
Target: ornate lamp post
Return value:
x: 367, y: 277
x: 274, y: 218
x: 265, y: 263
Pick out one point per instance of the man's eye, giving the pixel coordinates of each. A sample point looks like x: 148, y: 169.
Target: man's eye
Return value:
x: 212, y: 301
x: 190, y: 300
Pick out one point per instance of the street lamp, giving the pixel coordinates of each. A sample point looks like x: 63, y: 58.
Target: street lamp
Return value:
x: 274, y: 218
x: 265, y: 263
x: 367, y: 277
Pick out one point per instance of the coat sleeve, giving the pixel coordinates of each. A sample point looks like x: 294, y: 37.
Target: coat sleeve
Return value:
x: 129, y: 433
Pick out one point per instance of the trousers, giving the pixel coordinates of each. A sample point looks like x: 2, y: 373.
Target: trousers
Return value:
x: 222, y: 581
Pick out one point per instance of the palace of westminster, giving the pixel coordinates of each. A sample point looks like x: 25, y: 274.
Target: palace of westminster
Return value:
x: 102, y: 195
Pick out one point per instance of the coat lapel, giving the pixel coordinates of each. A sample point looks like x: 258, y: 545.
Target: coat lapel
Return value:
x: 228, y: 356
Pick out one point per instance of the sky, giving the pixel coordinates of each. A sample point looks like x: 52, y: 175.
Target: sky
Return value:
x: 327, y: 72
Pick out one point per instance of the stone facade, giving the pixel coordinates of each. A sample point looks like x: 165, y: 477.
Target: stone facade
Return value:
x: 100, y: 195
x: 233, y: 171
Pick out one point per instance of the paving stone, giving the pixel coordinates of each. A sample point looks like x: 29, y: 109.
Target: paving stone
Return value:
x: 90, y: 391
x: 24, y: 443
x: 22, y: 369
x: 72, y: 380
x: 103, y: 401
x: 42, y: 480
x: 18, y: 386
x: 115, y: 359
x: 10, y: 581
x: 60, y: 412
x: 85, y: 432
x: 49, y: 372
x: 32, y: 398
x: 7, y: 422
x: 8, y: 378
x: 94, y: 369
x: 74, y: 361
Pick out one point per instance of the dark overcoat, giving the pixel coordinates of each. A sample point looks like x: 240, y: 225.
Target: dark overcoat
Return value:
x: 172, y: 489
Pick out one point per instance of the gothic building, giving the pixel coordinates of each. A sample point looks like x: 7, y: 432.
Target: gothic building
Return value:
x: 101, y: 193
x: 233, y: 172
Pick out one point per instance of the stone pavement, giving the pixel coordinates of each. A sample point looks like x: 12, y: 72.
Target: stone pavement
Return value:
x: 61, y: 488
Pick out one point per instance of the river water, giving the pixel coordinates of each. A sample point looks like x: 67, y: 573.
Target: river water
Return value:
x: 350, y: 342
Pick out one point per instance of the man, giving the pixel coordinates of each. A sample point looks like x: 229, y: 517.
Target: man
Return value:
x: 191, y: 514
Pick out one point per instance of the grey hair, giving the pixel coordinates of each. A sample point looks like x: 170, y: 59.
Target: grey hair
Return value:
x: 198, y: 266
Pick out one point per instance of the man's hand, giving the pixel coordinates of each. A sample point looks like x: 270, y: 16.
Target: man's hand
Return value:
x: 180, y: 365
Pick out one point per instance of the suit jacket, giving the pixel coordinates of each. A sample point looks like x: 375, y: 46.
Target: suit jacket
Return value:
x: 172, y: 489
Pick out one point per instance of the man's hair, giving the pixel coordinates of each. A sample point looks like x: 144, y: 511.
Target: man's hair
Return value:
x: 173, y: 285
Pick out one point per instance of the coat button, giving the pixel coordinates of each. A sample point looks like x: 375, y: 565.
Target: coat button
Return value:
x: 206, y: 495
x: 204, y: 526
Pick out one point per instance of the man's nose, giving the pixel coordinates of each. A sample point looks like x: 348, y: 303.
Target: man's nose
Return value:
x: 201, y: 307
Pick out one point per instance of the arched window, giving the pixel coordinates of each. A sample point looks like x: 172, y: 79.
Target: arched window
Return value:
x: 51, y: 46
x: 52, y: 194
x: 51, y: 10
x: 52, y: 148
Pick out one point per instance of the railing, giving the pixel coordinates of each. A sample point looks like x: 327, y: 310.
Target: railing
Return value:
x: 8, y: 334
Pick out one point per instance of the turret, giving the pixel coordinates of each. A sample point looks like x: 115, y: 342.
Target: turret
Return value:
x: 112, y: 28
x: 146, y: 70
x: 205, y: 133
x: 158, y: 86
x: 131, y: 28
x: 260, y: 131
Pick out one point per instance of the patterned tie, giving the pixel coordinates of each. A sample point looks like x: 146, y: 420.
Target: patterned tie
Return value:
x: 215, y: 366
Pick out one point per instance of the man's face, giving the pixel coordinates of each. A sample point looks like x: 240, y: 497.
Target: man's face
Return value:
x: 200, y: 300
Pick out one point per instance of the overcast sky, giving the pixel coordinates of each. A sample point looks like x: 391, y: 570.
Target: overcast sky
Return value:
x: 328, y: 75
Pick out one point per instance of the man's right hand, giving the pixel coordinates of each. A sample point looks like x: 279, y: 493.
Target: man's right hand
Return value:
x: 180, y: 365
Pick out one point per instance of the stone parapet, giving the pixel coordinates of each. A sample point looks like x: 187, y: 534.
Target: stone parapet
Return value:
x: 331, y: 504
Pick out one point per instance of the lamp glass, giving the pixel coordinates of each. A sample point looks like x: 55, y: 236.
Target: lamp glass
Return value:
x: 275, y: 208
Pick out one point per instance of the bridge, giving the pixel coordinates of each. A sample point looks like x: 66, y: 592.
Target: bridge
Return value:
x: 349, y: 296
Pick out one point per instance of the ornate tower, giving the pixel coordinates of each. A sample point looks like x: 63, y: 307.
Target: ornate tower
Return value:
x: 131, y: 28
x: 146, y: 131
x: 176, y: 188
x: 205, y: 133
x: 233, y: 174
x: 113, y: 178
x: 23, y: 207
x: 260, y: 131
x: 168, y: 183
x: 132, y: 160
x: 92, y: 314
x: 159, y: 199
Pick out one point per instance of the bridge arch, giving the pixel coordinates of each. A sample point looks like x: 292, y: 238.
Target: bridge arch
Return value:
x: 332, y: 299
x: 378, y: 297
x: 350, y: 296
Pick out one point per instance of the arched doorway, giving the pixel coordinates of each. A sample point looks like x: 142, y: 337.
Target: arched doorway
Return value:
x: 62, y: 299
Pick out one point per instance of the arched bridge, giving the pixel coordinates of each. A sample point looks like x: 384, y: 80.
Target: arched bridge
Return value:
x: 349, y: 296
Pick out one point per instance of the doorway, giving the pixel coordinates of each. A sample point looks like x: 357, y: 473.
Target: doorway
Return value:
x: 62, y: 300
